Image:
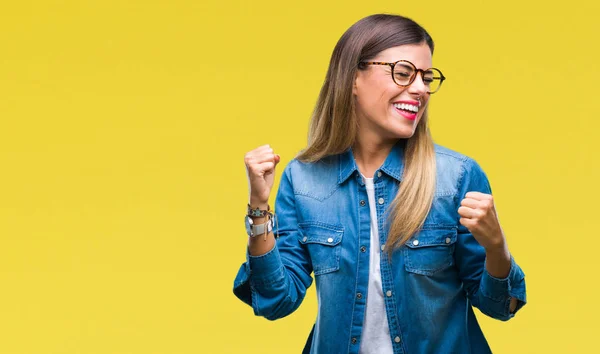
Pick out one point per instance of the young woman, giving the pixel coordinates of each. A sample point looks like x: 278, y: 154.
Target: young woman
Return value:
x: 401, y: 234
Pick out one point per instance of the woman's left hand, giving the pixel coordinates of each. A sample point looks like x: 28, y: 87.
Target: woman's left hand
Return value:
x: 478, y: 214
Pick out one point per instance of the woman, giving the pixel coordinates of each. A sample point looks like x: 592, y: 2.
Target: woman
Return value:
x: 401, y: 234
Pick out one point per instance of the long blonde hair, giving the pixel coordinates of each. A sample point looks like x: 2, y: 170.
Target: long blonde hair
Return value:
x: 334, y: 125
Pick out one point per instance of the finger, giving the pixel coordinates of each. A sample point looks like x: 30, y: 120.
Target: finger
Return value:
x: 468, y: 223
x: 269, y: 168
x: 478, y: 196
x: 468, y: 213
x: 277, y: 159
x: 255, y: 158
x: 263, y: 148
x: 266, y: 157
x: 471, y: 203
x: 262, y: 168
x: 259, y: 150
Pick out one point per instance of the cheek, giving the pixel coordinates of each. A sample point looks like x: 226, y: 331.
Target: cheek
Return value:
x: 388, y: 93
x: 421, y: 113
x: 377, y: 94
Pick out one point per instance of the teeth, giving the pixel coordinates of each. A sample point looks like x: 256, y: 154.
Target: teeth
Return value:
x: 407, y: 107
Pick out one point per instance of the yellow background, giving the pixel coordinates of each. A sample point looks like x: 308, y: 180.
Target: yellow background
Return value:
x: 123, y: 126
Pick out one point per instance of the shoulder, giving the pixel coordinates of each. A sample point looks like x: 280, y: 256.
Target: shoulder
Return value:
x: 445, y: 154
x: 446, y: 157
x: 326, y: 167
x: 313, y: 179
x: 455, y: 169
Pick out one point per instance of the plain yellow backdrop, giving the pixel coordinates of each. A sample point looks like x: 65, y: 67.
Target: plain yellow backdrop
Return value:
x: 123, y: 126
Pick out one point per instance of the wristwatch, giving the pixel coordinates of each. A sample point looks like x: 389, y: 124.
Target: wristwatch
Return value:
x: 254, y: 230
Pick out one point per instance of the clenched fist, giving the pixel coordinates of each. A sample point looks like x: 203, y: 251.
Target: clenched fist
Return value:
x: 478, y: 214
x: 260, y: 169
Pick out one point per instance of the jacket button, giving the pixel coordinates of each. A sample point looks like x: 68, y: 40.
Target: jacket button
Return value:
x: 362, y: 203
x: 416, y: 242
x: 353, y: 341
x: 363, y: 249
x: 397, y: 339
x: 359, y: 296
x: 448, y: 240
x: 378, y: 173
x: 381, y: 201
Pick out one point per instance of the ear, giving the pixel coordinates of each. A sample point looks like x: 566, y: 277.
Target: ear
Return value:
x: 357, y: 79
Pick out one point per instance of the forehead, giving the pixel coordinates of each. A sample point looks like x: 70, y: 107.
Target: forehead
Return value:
x: 418, y: 54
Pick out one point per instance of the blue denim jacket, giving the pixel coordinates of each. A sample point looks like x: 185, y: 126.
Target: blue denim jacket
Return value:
x: 431, y: 283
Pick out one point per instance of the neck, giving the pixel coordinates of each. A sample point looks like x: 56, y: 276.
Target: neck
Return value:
x: 370, y: 155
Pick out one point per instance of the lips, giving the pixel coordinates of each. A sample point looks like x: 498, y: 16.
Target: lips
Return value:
x: 406, y: 114
x: 407, y: 109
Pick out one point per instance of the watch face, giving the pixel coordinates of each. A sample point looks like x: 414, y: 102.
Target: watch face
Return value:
x: 249, y: 223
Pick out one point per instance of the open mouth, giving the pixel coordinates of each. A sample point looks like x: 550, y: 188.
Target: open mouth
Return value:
x: 407, y: 110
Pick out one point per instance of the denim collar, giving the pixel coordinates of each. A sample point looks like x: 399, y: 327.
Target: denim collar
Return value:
x: 392, y: 166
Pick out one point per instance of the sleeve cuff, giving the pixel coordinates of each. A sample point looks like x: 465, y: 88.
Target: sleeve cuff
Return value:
x: 500, y: 289
x: 266, y: 268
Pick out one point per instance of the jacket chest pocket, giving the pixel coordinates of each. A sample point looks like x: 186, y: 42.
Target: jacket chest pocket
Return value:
x: 323, y: 243
x: 430, y: 251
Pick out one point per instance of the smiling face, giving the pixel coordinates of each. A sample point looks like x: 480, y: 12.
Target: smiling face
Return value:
x: 385, y: 111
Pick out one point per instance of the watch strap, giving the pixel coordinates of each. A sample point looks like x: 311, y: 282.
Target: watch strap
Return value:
x: 262, y: 228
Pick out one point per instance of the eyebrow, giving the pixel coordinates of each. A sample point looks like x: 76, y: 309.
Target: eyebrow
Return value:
x: 404, y: 65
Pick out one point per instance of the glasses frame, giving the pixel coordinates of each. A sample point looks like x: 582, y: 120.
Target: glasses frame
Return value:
x: 412, y: 79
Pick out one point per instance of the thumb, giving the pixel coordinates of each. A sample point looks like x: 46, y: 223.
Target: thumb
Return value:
x: 277, y: 159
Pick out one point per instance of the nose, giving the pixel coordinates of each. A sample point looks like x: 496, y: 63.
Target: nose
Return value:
x: 418, y: 87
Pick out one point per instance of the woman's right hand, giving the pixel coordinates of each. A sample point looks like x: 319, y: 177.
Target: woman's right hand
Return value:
x: 260, y: 169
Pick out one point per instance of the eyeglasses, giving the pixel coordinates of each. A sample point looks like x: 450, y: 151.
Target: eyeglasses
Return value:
x: 404, y: 73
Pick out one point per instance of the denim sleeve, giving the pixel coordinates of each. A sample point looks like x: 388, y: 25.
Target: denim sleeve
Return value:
x: 275, y: 283
x: 491, y: 295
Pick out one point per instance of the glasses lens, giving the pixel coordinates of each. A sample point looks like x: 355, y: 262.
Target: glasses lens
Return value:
x: 403, y: 73
x: 433, y: 79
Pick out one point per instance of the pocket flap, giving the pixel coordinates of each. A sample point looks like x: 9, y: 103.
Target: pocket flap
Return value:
x: 433, y: 237
x: 329, y: 235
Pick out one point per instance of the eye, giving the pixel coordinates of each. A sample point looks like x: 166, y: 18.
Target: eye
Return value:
x: 428, y: 77
x: 402, y: 74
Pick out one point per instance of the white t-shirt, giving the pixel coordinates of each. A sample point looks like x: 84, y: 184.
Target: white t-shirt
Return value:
x: 376, y: 331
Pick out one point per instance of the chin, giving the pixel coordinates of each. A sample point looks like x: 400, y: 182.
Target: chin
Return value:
x: 400, y: 134
x: 406, y: 136
x: 404, y: 132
